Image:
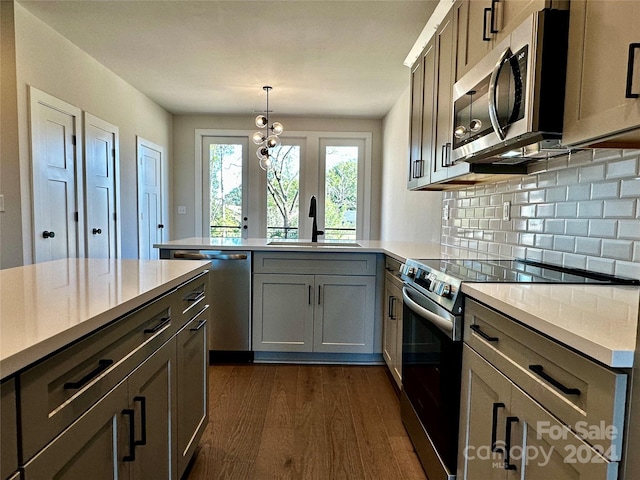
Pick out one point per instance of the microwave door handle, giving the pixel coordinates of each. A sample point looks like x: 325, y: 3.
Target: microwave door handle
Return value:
x: 493, y: 82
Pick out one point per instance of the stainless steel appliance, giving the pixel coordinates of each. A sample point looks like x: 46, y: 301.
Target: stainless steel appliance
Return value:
x: 432, y: 347
x: 509, y: 107
x: 230, y: 287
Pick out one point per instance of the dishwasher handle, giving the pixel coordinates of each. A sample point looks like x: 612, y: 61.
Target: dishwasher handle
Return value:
x: 187, y: 255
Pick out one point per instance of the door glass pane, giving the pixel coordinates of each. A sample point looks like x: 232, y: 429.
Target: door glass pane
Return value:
x: 225, y: 190
x: 341, y: 192
x: 283, y: 192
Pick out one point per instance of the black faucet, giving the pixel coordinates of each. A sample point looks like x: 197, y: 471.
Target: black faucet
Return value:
x: 313, y: 212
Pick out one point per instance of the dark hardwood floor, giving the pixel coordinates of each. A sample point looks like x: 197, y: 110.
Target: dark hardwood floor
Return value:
x: 303, y: 422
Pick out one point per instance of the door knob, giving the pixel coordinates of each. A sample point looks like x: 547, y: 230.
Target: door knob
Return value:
x: 46, y: 234
x: 96, y: 231
x: 160, y: 225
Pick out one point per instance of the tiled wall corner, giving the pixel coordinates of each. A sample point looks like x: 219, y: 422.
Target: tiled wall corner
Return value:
x: 580, y: 210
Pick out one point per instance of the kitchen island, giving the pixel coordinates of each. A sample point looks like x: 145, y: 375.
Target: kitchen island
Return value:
x: 91, y: 348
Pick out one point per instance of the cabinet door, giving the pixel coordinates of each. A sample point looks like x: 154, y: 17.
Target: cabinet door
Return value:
x: 8, y: 429
x: 92, y: 447
x: 392, y: 337
x: 484, y: 408
x: 550, y: 449
x: 191, y: 357
x: 283, y: 312
x: 152, y: 399
x: 469, y: 23
x: 443, y: 91
x: 599, y: 37
x: 345, y: 312
x: 416, y: 164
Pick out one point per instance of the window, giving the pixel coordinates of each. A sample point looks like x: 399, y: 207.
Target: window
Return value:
x: 283, y: 192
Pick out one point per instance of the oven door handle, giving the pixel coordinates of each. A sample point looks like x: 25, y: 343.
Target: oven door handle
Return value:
x: 440, y: 322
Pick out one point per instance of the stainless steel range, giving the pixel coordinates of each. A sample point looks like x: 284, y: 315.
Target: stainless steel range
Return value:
x: 432, y: 344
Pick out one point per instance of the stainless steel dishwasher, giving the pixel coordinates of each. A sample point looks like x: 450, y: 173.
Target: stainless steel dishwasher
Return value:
x: 230, y: 287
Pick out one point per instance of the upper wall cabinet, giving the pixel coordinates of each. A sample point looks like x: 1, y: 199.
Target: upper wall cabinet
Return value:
x: 603, y: 74
x: 481, y: 24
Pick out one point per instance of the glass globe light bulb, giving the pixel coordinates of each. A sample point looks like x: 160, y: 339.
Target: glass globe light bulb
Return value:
x: 261, y: 121
x: 265, y: 163
x: 258, y: 138
x: 277, y: 128
x: 262, y: 152
x: 273, y: 141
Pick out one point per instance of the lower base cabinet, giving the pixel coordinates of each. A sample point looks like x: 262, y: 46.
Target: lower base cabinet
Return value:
x: 392, y: 320
x: 126, y: 435
x: 505, y: 434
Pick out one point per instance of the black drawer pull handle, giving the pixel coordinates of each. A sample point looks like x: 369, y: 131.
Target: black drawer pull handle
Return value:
x: 163, y: 322
x: 143, y: 420
x: 630, y: 64
x: 132, y: 436
x: 538, y: 369
x: 488, y: 338
x: 201, y: 324
x: 494, y: 427
x: 507, y: 447
x: 102, y: 366
x: 487, y: 14
x: 194, y: 296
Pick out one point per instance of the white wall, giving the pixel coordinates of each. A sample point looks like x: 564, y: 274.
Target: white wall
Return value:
x: 49, y: 62
x: 184, y: 146
x: 405, y: 215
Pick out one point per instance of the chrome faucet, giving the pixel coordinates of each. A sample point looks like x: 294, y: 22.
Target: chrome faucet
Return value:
x: 313, y: 212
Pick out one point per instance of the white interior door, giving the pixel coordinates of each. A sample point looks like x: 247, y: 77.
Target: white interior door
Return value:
x: 150, y: 187
x: 56, y: 166
x: 102, y: 231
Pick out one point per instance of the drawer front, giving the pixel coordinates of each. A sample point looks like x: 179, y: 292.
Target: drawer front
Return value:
x: 58, y: 390
x: 392, y: 271
x: 8, y: 428
x: 190, y: 298
x: 581, y: 393
x: 315, y: 263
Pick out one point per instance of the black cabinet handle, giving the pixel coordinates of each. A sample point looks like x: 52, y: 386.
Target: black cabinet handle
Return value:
x: 201, y: 324
x: 630, y: 65
x: 143, y: 420
x: 319, y: 289
x: 163, y: 322
x: 486, y: 13
x: 507, y: 434
x: 394, y: 301
x: 494, y: 426
x: 309, y: 294
x: 132, y: 435
x: 194, y: 296
x: 539, y: 370
x: 448, y: 152
x: 488, y: 338
x: 47, y: 234
x: 102, y: 365
x: 492, y: 26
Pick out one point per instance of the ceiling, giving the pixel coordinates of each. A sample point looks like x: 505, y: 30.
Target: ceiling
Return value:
x: 323, y: 58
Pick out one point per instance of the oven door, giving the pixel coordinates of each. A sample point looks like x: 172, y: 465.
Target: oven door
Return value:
x: 431, y: 366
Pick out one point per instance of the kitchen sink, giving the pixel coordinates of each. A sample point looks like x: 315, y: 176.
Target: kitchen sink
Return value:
x: 313, y: 244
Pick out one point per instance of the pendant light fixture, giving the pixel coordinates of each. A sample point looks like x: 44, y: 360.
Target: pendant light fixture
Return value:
x: 268, y: 139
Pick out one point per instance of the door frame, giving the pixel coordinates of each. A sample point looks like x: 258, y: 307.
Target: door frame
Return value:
x: 164, y: 191
x: 115, y: 131
x: 38, y: 97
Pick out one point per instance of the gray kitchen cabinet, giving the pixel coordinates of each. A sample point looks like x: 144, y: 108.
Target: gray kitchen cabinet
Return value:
x: 8, y: 428
x: 192, y: 382
x: 318, y: 302
x: 392, y: 320
x: 599, y: 103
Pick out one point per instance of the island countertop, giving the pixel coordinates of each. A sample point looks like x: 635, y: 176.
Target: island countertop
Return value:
x: 46, y: 306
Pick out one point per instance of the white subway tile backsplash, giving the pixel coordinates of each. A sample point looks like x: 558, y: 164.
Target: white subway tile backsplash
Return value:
x: 580, y: 210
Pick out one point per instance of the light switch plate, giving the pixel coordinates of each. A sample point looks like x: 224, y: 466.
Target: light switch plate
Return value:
x: 1, y: 203
x: 445, y: 212
x: 506, y: 211
x: 182, y: 210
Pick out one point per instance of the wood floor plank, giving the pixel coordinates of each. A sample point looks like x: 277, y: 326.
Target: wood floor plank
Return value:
x: 410, y: 467
x: 371, y: 434
x: 344, y: 455
x: 282, y: 403
x: 333, y: 375
x: 387, y: 400
x: 275, y: 459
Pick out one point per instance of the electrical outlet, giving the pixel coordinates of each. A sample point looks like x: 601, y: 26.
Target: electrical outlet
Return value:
x: 182, y: 210
x: 1, y: 203
x: 445, y: 212
x: 506, y: 211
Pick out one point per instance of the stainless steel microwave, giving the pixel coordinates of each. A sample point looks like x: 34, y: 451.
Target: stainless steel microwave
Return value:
x: 509, y: 107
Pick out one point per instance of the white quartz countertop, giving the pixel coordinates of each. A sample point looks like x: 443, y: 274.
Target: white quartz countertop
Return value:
x: 598, y: 321
x: 45, y: 306
x: 399, y: 250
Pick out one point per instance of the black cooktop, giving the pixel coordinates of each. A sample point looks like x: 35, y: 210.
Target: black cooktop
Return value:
x: 521, y: 271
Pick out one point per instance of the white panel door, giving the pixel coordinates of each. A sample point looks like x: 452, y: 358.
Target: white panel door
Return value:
x: 150, y: 225
x: 56, y: 165
x: 101, y: 192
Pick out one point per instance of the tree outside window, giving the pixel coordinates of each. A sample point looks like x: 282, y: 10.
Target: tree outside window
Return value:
x: 283, y: 192
x: 341, y: 192
x: 225, y: 180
